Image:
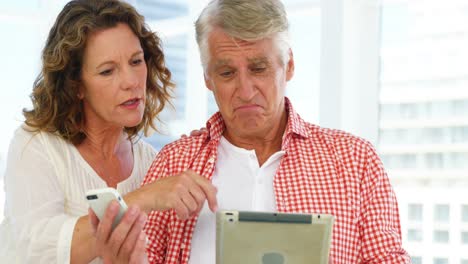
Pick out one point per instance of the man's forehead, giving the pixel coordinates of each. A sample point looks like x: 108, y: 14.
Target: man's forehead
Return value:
x: 249, y: 60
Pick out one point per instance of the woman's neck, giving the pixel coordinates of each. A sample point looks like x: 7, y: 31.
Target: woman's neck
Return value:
x: 105, y: 142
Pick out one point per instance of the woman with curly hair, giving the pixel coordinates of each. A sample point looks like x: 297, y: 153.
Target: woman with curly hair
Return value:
x: 103, y: 82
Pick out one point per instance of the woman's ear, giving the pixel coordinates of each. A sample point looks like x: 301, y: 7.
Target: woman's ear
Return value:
x: 80, y: 93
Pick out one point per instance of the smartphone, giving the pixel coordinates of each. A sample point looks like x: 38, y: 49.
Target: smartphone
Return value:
x: 99, y: 200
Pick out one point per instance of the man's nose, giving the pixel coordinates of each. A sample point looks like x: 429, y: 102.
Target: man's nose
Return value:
x: 246, y: 89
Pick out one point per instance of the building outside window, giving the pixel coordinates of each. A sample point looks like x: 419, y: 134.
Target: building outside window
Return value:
x: 423, y: 123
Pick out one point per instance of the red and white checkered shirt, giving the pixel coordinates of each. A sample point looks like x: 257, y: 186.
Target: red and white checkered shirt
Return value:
x: 323, y: 171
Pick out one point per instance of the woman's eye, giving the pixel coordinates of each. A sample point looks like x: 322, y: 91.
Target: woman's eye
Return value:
x: 106, y: 72
x: 137, y: 61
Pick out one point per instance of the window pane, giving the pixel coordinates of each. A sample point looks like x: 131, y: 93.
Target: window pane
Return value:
x: 441, y: 236
x: 415, y: 212
x: 162, y: 9
x: 464, y: 238
x: 464, y: 213
x: 441, y: 212
x: 441, y: 261
x: 415, y: 235
x: 416, y: 260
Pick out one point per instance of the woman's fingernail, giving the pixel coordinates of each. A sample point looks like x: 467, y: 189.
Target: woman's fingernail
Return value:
x: 132, y: 211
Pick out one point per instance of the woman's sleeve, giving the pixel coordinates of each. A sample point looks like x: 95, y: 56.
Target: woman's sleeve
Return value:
x: 40, y: 229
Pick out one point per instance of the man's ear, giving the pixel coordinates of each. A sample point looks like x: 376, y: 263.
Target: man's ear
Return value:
x: 208, y: 82
x: 290, y: 66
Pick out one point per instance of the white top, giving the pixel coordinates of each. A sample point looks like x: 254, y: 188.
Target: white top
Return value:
x: 242, y: 185
x: 46, y: 179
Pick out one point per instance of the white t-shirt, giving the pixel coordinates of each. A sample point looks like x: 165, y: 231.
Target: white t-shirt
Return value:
x: 46, y: 179
x: 242, y: 185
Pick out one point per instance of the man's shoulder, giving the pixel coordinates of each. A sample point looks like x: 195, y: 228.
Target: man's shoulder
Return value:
x: 337, y: 144
x: 186, y: 145
x: 336, y: 137
x: 315, y: 134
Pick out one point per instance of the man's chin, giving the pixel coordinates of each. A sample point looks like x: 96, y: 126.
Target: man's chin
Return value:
x: 250, y: 126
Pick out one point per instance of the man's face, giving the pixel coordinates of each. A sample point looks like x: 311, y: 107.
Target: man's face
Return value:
x: 248, y: 80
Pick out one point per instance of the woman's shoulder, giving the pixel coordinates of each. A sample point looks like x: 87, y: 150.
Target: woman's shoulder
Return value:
x: 27, y: 137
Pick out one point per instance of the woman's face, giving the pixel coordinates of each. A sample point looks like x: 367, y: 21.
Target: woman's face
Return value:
x: 114, y: 78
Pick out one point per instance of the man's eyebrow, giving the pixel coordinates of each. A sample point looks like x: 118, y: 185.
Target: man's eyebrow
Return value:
x: 258, y: 60
x: 222, y: 62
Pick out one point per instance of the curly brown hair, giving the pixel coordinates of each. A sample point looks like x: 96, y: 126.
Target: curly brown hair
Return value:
x: 56, y: 105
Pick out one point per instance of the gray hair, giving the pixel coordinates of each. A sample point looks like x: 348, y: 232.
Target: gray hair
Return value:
x: 248, y: 20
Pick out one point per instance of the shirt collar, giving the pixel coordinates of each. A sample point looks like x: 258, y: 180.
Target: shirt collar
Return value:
x: 295, y: 125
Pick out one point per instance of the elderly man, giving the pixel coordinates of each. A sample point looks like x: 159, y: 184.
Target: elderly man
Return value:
x: 261, y: 156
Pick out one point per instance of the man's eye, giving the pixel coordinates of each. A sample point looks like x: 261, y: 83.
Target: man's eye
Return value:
x: 258, y: 69
x: 106, y: 72
x: 226, y: 73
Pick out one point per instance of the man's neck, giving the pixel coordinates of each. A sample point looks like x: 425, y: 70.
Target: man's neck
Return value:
x: 265, y: 144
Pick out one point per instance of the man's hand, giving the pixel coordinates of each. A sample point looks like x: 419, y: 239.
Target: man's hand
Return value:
x: 185, y: 193
x: 127, y: 242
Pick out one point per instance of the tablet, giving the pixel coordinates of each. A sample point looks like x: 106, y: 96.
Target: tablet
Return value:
x: 272, y: 238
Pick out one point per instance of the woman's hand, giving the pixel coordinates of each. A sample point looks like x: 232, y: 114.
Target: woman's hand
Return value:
x: 127, y: 242
x: 185, y: 192
x: 195, y: 133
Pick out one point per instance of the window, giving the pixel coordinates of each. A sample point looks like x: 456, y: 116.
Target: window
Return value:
x: 415, y: 212
x: 464, y: 213
x: 423, y: 127
x: 173, y: 20
x: 400, y: 161
x: 419, y: 136
x: 434, y: 160
x: 441, y: 236
x: 441, y: 213
x: 416, y: 260
x: 415, y: 235
x: 441, y: 261
x: 464, y: 237
x: 193, y: 103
